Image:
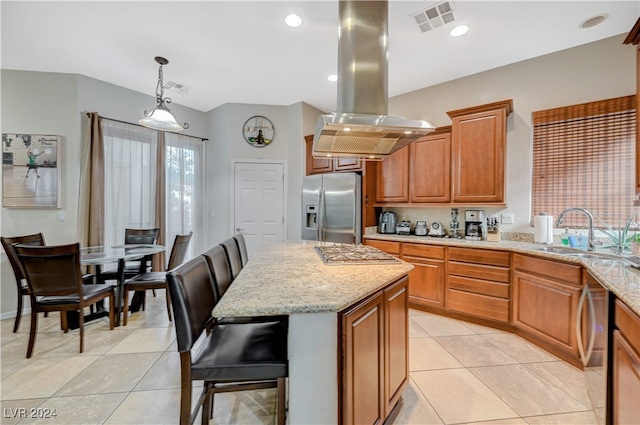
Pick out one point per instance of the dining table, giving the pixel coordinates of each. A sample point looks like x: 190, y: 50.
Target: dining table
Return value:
x: 100, y: 255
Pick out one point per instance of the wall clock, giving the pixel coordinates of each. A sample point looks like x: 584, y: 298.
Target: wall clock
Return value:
x: 258, y: 131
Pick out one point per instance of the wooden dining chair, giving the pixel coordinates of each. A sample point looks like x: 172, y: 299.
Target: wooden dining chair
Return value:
x: 54, y: 278
x: 232, y: 357
x: 132, y: 268
x: 157, y: 280
x: 36, y: 239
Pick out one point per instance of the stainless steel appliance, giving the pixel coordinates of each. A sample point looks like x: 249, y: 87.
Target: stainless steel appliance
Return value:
x: 436, y: 229
x: 421, y: 228
x: 594, y: 343
x: 475, y: 226
x: 331, y: 208
x: 353, y: 254
x: 403, y: 228
x: 387, y: 222
x: 360, y: 127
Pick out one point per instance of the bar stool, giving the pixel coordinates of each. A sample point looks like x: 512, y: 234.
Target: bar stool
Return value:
x: 232, y: 357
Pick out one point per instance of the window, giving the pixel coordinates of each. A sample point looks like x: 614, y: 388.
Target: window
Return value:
x: 130, y: 156
x: 584, y: 156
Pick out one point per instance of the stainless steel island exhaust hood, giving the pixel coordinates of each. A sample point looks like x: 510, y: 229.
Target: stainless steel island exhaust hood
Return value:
x: 361, y: 127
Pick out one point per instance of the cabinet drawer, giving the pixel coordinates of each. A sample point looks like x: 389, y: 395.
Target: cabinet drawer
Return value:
x: 479, y: 286
x: 481, y: 256
x: 389, y: 247
x: 478, y: 305
x: 426, y: 251
x: 557, y: 271
x: 499, y: 274
x: 629, y: 324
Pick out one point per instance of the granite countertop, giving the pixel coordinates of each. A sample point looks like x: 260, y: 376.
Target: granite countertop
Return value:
x: 613, y: 272
x: 289, y: 278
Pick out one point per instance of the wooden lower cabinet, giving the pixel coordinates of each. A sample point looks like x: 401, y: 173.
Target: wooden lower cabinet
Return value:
x: 396, y: 346
x: 478, y: 283
x: 389, y: 247
x: 545, y: 304
x: 626, y: 366
x: 426, y: 280
x: 374, y: 355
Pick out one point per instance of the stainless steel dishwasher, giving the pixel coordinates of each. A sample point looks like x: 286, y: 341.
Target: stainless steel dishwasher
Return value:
x: 594, y: 342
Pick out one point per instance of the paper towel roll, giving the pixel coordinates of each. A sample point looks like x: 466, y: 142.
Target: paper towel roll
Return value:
x: 543, y: 229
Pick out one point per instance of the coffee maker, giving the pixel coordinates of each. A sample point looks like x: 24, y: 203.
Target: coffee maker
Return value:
x: 475, y: 226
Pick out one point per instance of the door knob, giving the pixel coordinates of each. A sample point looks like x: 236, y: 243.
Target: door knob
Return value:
x: 239, y: 229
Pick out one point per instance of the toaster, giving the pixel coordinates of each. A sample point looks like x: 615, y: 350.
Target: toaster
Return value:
x: 403, y: 228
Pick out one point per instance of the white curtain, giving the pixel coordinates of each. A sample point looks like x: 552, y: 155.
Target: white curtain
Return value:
x: 130, y: 178
x: 185, y: 190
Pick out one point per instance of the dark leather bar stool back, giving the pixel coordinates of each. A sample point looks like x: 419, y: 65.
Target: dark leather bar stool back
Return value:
x: 233, y: 255
x: 21, y: 285
x: 232, y: 357
x: 242, y: 246
x: 54, y: 276
x: 220, y: 269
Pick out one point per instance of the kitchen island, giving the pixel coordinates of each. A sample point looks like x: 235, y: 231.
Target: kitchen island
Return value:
x: 289, y: 278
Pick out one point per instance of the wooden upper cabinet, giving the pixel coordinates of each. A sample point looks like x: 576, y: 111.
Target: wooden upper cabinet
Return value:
x: 328, y: 165
x: 478, y: 147
x: 634, y: 38
x: 392, y: 184
x: 430, y: 167
x: 347, y: 164
x: 316, y: 165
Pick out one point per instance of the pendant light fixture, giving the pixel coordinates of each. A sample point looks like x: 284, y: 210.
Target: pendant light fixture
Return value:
x: 161, y: 118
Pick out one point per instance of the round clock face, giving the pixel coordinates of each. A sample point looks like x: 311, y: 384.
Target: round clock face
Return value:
x: 258, y: 131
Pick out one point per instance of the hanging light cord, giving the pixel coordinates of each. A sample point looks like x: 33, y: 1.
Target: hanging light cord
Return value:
x: 160, y: 89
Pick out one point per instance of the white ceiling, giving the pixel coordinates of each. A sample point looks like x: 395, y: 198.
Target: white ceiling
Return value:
x: 242, y: 52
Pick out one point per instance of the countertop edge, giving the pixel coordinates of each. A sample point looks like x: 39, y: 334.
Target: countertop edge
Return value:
x: 628, y: 290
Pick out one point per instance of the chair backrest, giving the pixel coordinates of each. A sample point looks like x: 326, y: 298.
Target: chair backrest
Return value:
x: 51, y: 270
x: 242, y: 246
x: 192, y: 299
x: 220, y: 270
x: 179, y: 250
x: 141, y: 236
x: 7, y: 242
x: 233, y: 255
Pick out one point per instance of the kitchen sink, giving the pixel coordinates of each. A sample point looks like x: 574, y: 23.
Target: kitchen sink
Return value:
x: 559, y: 250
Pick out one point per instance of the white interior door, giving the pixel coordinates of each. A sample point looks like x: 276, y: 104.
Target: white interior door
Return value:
x: 258, y: 202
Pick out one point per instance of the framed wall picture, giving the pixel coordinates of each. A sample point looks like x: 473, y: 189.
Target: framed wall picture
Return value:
x: 31, y: 171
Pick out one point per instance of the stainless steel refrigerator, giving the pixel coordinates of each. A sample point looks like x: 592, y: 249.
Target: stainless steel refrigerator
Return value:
x: 331, y: 208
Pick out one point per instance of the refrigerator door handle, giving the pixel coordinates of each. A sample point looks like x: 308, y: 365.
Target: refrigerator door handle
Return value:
x: 321, y: 211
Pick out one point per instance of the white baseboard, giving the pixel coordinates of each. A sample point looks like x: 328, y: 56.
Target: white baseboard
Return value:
x: 12, y: 314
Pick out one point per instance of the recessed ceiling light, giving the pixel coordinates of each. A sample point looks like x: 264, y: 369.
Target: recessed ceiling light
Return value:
x: 459, y: 31
x: 293, y: 20
x: 333, y: 78
x: 594, y: 20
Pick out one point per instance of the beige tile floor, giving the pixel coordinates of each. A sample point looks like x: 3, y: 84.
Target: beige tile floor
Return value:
x: 461, y: 373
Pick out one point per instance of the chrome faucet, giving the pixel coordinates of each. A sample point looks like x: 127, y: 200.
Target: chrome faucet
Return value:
x: 591, y: 240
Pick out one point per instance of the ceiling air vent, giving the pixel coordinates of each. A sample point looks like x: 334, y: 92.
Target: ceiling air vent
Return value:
x: 173, y: 86
x: 434, y: 16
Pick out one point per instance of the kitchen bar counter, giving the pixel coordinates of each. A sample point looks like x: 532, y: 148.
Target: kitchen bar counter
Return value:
x: 289, y: 278
x: 612, y: 271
